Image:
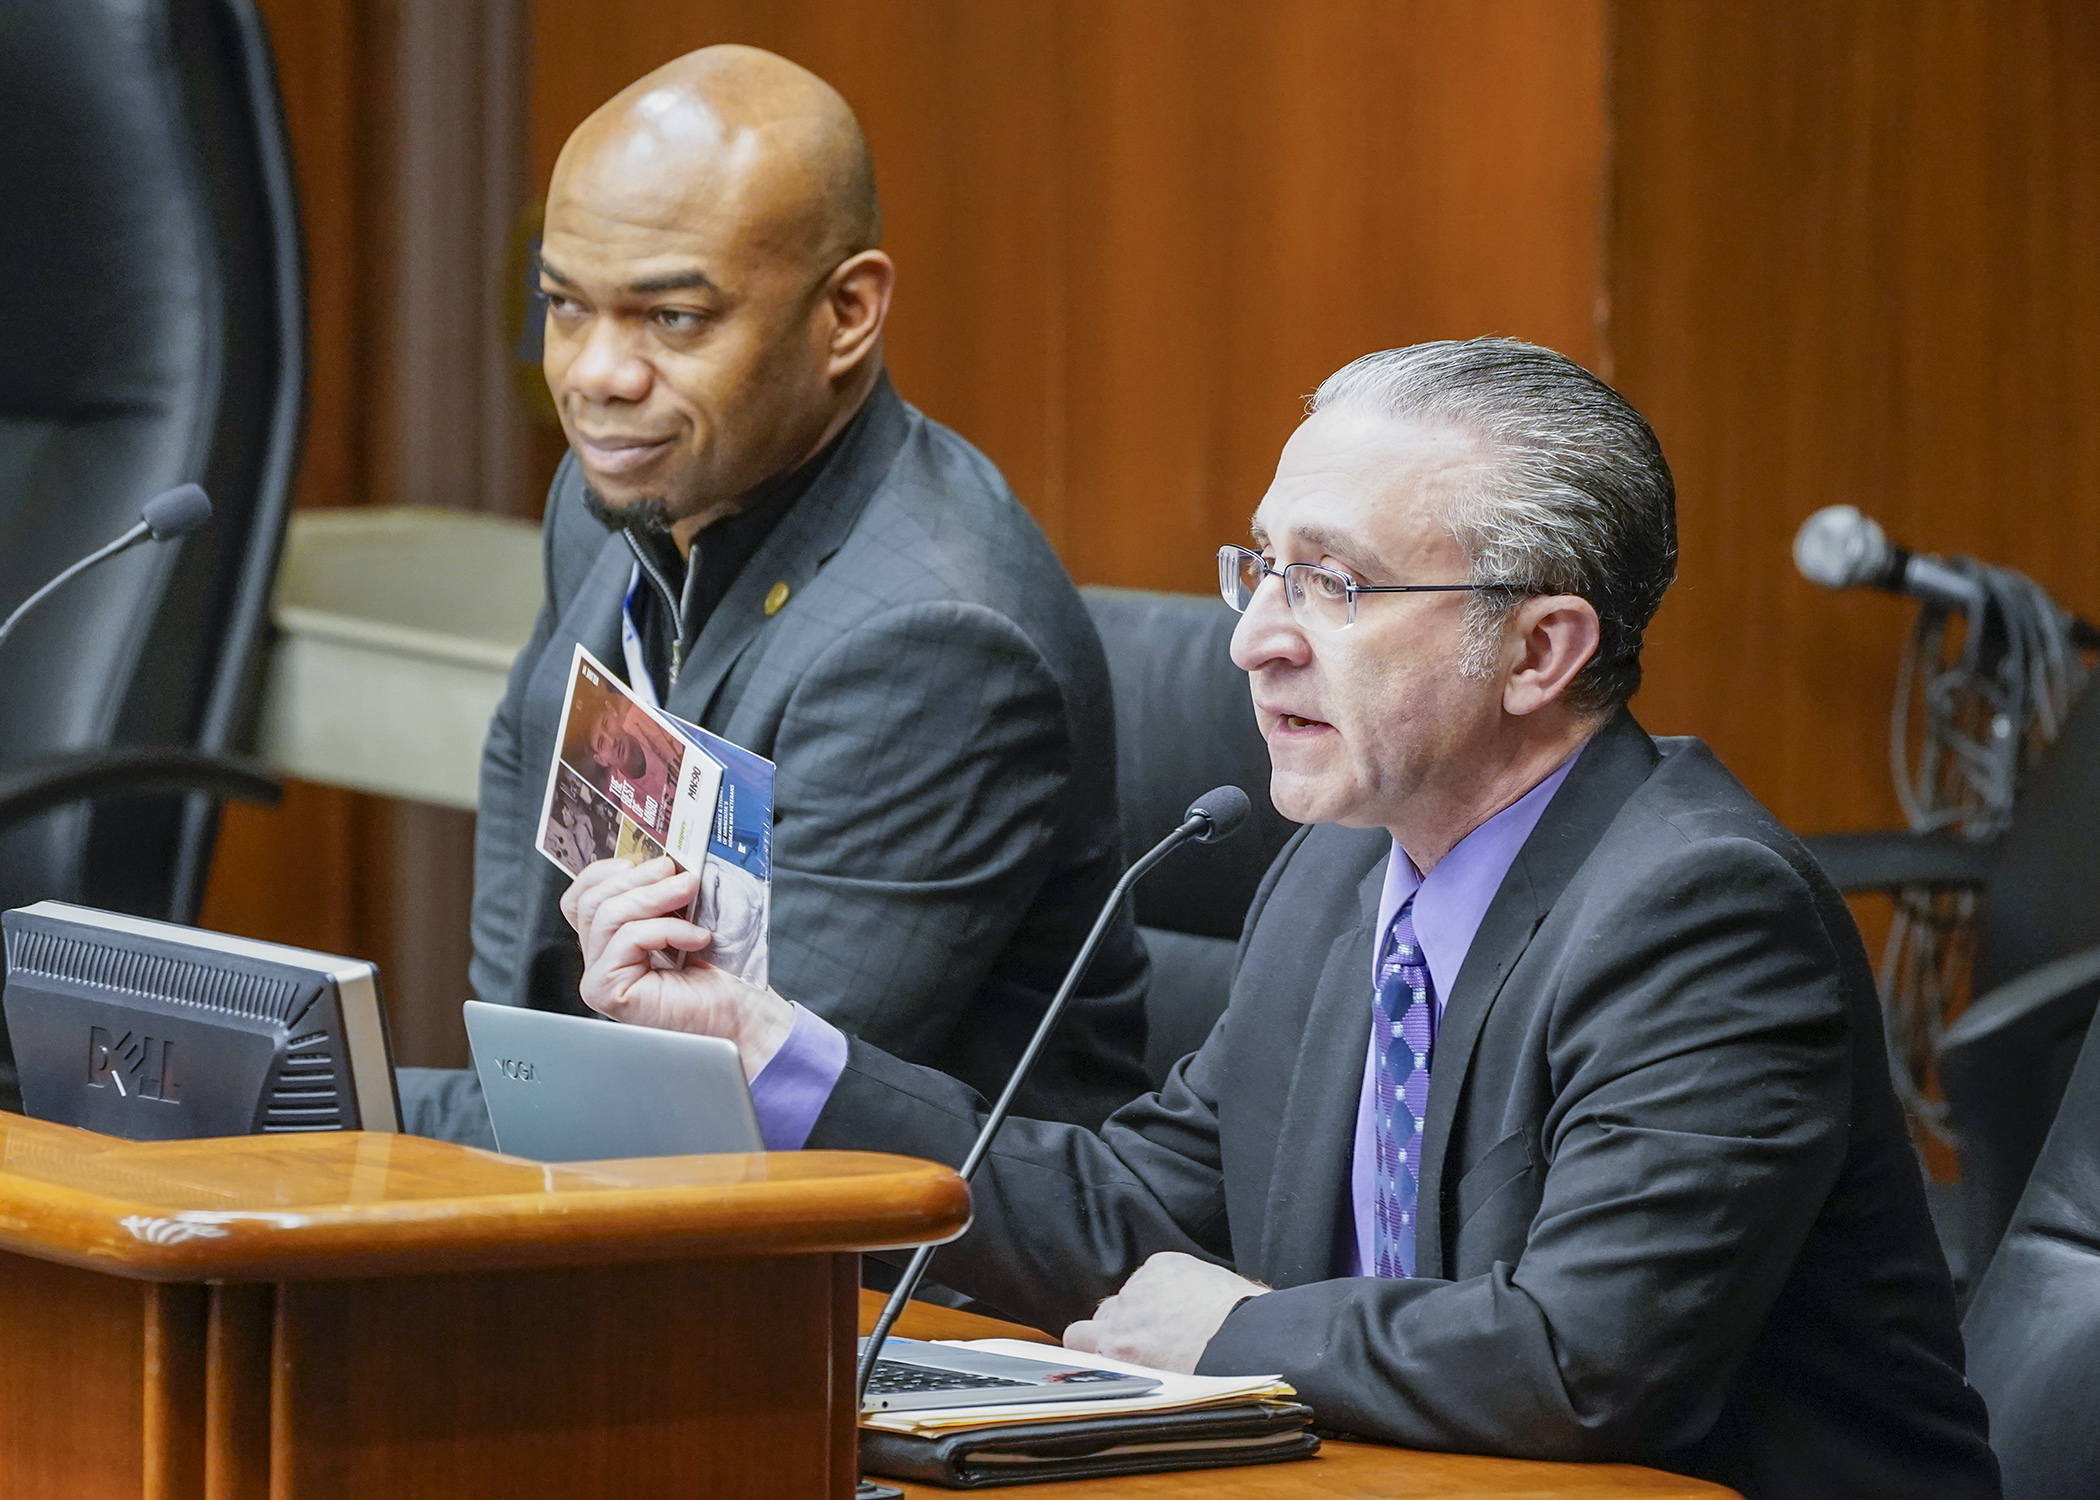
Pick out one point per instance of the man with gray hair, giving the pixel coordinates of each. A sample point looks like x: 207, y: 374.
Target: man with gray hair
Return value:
x: 1549, y: 1116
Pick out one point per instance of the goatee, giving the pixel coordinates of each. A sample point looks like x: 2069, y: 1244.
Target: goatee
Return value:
x: 645, y: 517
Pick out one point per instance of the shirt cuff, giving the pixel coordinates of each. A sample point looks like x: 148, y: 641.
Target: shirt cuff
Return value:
x: 792, y: 1089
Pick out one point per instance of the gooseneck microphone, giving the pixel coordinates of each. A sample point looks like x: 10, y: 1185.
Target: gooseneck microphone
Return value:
x: 1217, y: 814
x: 164, y: 518
x: 1842, y: 549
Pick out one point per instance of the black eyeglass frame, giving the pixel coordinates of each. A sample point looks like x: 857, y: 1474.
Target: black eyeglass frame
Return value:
x: 1229, y: 557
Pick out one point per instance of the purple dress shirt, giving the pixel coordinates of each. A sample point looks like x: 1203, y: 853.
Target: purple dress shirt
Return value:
x: 790, y: 1091
x: 1449, y: 904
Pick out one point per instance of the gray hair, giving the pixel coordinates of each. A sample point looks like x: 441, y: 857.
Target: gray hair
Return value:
x: 1574, y: 495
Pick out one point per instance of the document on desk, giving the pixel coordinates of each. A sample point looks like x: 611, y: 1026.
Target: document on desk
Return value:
x: 632, y: 782
x: 1189, y: 1422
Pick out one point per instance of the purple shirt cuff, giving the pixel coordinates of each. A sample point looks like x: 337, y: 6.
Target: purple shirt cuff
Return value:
x: 791, y: 1090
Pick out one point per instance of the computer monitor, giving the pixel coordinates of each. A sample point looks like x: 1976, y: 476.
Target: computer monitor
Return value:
x: 157, y: 1032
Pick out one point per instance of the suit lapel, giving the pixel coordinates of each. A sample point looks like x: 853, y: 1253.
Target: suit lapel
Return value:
x: 1311, y: 1174
x: 1616, y: 761
x: 808, y: 535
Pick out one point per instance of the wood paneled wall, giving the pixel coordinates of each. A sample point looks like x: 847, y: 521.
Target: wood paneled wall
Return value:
x: 1837, y: 250
x: 1853, y: 260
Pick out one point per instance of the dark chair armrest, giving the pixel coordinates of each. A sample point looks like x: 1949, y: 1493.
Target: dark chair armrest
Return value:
x: 2027, y: 998
x: 55, y: 780
x: 2003, y: 1066
x: 1896, y: 859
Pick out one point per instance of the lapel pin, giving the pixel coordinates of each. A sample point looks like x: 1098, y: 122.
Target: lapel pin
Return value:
x: 776, y: 596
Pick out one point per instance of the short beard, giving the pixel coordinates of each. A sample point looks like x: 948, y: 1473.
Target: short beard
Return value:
x: 645, y: 518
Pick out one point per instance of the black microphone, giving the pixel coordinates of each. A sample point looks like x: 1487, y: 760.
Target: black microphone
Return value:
x: 1217, y: 814
x: 164, y: 518
x: 1842, y: 549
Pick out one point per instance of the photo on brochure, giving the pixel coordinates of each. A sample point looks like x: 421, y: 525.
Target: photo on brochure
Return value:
x: 581, y: 827
x: 624, y: 784
x: 618, y: 747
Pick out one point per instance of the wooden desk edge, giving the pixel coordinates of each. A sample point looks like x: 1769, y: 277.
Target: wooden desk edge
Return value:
x: 908, y: 1203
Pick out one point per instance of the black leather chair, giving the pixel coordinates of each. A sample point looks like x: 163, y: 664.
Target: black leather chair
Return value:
x: 153, y: 309
x: 2003, y: 1063
x: 1184, y: 724
x: 2033, y: 1329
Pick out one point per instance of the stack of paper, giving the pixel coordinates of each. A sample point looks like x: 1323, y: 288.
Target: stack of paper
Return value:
x: 1175, y: 1393
x: 1188, y: 1422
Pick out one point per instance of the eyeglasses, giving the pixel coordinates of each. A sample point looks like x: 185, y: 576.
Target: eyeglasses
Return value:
x: 1320, y: 598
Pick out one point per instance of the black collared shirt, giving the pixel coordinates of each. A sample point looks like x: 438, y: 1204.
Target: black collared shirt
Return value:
x: 718, y: 554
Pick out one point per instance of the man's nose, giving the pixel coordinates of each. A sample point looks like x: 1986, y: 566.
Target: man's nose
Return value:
x: 609, y: 366
x: 1267, y: 632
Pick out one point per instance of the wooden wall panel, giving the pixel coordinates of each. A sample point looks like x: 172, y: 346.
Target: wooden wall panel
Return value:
x: 1257, y: 202
x: 1133, y: 237
x: 1852, y: 261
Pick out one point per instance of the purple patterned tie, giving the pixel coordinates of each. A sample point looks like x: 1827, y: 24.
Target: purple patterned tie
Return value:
x: 1404, y: 1020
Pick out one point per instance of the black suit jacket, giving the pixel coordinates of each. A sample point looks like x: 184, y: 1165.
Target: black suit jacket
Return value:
x: 1670, y: 1210
x: 937, y: 703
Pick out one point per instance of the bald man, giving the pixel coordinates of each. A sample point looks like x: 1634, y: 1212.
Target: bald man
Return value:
x: 781, y: 550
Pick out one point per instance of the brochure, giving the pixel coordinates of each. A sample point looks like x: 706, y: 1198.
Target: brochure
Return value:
x: 632, y: 782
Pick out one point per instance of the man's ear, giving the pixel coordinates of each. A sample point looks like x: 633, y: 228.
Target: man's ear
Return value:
x: 1551, y: 639
x: 858, y: 296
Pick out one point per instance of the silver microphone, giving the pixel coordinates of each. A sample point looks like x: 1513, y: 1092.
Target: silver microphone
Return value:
x: 1842, y: 549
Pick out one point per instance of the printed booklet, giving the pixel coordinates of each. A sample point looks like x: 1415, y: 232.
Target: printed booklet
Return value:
x: 633, y: 782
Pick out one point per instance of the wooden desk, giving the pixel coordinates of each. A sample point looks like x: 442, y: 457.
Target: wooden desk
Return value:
x: 1341, y: 1471
x: 350, y: 1315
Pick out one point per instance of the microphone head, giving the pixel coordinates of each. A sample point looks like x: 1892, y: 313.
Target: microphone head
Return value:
x: 1840, y: 548
x: 1226, y: 808
x: 182, y: 510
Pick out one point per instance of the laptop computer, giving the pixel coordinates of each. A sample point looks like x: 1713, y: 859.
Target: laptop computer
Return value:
x: 573, y: 1088
x: 917, y: 1376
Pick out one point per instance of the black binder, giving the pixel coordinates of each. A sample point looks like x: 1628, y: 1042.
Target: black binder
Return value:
x: 1258, y: 1432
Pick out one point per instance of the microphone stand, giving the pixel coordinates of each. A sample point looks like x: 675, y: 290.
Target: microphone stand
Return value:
x: 167, y: 517
x: 1200, y: 825
x: 129, y: 539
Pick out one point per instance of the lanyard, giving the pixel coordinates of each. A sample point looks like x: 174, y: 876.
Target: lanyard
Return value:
x: 638, y: 677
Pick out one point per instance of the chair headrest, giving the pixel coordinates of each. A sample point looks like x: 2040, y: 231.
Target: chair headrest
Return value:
x: 1185, y: 724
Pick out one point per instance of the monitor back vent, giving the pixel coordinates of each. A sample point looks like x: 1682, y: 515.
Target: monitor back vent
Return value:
x: 150, y: 975
x: 305, y: 1095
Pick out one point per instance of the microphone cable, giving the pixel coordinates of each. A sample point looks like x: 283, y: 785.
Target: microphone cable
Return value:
x: 1970, y: 722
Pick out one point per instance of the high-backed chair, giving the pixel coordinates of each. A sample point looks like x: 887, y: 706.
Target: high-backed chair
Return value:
x: 2004, y: 1061
x: 154, y: 314
x: 2033, y: 1328
x: 1184, y: 724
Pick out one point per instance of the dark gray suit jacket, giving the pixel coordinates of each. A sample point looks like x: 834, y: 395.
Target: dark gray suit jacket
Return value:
x: 936, y: 700
x: 1670, y: 1210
